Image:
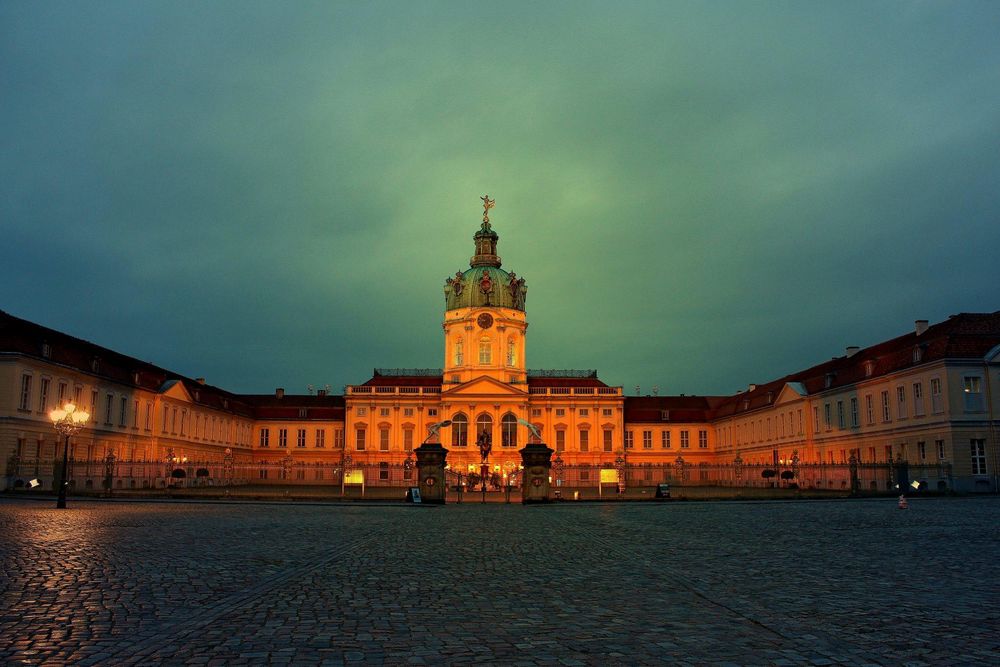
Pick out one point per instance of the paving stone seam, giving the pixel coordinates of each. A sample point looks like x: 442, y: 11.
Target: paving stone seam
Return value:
x: 171, y: 633
x: 777, y: 624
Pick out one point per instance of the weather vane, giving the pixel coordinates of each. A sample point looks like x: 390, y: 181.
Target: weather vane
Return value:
x: 487, y: 205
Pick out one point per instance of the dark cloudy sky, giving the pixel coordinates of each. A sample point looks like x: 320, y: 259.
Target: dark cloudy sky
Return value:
x: 699, y: 194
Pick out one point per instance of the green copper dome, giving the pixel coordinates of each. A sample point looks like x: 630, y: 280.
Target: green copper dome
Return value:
x: 485, y: 284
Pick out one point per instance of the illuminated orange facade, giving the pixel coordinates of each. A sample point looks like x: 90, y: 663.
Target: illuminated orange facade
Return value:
x: 925, y: 396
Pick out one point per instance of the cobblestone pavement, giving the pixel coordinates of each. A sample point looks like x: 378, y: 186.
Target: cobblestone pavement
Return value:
x: 781, y: 583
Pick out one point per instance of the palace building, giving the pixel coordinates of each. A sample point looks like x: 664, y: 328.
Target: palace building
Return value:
x: 928, y: 397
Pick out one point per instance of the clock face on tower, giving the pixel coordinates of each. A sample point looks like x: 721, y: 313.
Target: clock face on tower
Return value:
x: 485, y: 321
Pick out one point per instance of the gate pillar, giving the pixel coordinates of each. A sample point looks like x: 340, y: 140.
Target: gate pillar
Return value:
x: 537, y: 461
x: 430, y: 468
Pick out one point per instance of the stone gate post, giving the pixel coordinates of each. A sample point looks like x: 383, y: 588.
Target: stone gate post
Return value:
x: 430, y: 469
x: 537, y: 461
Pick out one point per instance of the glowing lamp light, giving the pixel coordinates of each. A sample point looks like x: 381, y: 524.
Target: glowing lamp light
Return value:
x: 67, y: 420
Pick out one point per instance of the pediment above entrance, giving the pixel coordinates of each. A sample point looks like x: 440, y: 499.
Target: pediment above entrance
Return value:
x: 482, y: 386
x: 792, y: 391
x: 175, y: 389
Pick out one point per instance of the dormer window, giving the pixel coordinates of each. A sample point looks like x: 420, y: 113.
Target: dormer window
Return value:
x: 918, y: 353
x: 665, y: 415
x: 46, y: 350
x: 303, y: 413
x: 828, y: 382
x: 746, y: 404
x: 869, y: 368
x: 135, y: 377
x: 197, y: 395
x: 95, y: 365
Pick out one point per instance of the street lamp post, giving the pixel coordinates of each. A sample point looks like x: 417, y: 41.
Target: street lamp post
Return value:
x: 67, y: 421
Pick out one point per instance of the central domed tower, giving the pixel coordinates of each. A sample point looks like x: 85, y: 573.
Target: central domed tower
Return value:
x: 484, y: 321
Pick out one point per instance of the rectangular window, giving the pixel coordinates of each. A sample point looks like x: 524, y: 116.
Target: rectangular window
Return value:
x: 560, y: 412
x: 871, y: 455
x: 826, y: 416
x: 135, y: 414
x: 628, y: 440
x: 939, y: 445
x: 407, y: 412
x: 408, y: 439
x: 43, y: 395
x: 383, y: 412
x: 536, y: 412
x: 149, y: 416
x: 978, y: 451
x: 560, y: 440
x: 607, y: 412
x: 918, y: 399
x: 922, y: 450
x: 61, y: 396
x: 338, y: 438
x: 77, y: 395
x: 665, y: 439
x: 973, y: 393
x: 840, y: 415
x: 584, y: 412
x: 937, y: 404
x: 485, y: 352
x: 854, y: 412
x: 900, y: 402
x: 362, y: 411
x: 800, y: 422
x: 25, y: 402
x: 383, y: 439
x: 886, y: 414
x: 647, y: 439
x: 685, y: 441
x: 608, y: 440
x: 123, y: 412
x: 265, y: 438
x: 320, y: 438
x: 300, y: 438
x: 869, y: 409
x: 815, y: 421
x: 108, y: 407
x: 282, y: 437
x: 702, y: 439
x: 173, y: 421
x: 432, y: 412
x: 93, y: 405
x: 584, y: 440
x: 888, y: 453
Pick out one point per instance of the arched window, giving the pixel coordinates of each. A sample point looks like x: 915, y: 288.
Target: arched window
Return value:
x: 459, y: 352
x: 459, y: 430
x: 484, y: 424
x: 485, y: 351
x: 508, y: 430
x: 510, y: 353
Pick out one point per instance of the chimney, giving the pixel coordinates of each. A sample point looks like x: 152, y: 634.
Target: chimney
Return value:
x: 751, y: 387
x: 279, y: 392
x: 321, y: 392
x: 920, y: 326
x: 200, y: 380
x: 852, y: 350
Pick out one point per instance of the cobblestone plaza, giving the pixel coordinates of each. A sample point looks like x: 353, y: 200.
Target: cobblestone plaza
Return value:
x: 781, y: 583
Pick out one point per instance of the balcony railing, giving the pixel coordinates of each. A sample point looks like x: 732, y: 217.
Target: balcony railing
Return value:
x: 369, y: 389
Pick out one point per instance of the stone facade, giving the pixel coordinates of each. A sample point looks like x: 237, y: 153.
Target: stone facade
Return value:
x: 927, y: 396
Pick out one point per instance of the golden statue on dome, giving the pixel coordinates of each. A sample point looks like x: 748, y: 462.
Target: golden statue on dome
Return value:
x: 487, y: 205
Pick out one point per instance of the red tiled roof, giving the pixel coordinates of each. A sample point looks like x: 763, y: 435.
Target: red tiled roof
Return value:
x: 27, y: 338
x: 962, y: 336
x: 639, y: 409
